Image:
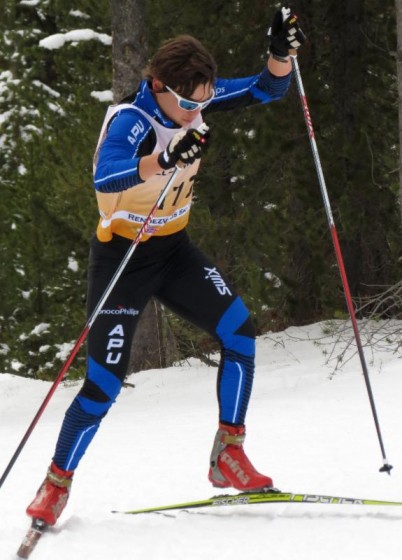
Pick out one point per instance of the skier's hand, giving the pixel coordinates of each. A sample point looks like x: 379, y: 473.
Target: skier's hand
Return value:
x: 185, y: 146
x: 285, y: 33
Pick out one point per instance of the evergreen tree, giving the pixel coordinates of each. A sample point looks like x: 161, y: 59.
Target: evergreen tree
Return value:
x: 258, y: 209
x: 352, y: 75
x: 48, y: 210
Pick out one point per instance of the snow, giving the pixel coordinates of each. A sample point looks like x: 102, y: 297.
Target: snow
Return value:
x: 79, y: 14
x: 104, y: 96
x: 29, y: 2
x: 310, y: 428
x: 39, y: 329
x: 46, y: 88
x: 58, y: 40
x: 73, y: 264
x: 64, y: 350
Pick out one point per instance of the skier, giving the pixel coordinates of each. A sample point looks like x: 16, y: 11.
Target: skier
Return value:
x: 141, y: 143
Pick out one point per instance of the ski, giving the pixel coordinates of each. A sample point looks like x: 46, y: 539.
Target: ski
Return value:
x: 32, y: 537
x: 253, y: 498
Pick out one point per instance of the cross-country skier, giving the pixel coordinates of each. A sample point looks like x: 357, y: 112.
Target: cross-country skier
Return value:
x: 141, y: 143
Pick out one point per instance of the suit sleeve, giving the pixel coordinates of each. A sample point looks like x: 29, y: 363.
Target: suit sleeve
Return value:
x: 119, y: 155
x: 242, y: 92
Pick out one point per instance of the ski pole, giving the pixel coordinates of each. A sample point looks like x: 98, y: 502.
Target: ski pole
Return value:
x: 309, y: 124
x: 90, y: 322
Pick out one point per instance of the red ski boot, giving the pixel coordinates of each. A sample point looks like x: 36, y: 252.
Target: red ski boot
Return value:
x: 52, y: 496
x: 230, y: 466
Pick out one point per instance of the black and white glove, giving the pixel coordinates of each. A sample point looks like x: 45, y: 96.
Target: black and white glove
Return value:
x: 285, y: 33
x: 185, y: 146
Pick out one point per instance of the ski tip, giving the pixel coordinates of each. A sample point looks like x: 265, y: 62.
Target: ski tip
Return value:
x: 386, y: 468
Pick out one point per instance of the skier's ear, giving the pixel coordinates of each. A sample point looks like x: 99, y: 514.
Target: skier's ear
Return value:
x: 157, y: 85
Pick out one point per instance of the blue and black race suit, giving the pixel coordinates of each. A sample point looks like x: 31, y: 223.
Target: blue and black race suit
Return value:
x: 168, y: 267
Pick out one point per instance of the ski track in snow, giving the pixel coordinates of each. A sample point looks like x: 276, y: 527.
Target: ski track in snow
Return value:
x: 311, y: 431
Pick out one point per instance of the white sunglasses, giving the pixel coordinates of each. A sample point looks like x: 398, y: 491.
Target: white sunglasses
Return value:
x: 189, y: 104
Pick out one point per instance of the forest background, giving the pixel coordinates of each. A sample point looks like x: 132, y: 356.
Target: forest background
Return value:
x: 258, y: 211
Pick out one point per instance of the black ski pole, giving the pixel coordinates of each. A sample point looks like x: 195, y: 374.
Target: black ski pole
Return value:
x: 307, y: 117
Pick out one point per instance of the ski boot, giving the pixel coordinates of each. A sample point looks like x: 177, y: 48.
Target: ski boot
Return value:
x: 52, y: 495
x: 230, y: 466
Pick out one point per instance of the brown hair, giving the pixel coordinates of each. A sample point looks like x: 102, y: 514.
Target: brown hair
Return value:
x: 182, y: 63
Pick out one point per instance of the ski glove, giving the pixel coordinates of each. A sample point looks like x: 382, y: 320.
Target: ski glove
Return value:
x: 285, y: 33
x: 185, y: 146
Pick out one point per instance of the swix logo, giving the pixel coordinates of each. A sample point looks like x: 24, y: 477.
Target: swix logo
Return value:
x: 234, y: 467
x: 115, y: 341
x: 218, y: 281
x: 135, y: 131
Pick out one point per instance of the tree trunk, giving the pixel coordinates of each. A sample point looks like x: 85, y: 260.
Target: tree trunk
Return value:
x: 153, y: 344
x: 129, y: 46
x: 398, y: 4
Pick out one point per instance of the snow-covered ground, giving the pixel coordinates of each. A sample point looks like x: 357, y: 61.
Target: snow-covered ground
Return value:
x: 310, y: 430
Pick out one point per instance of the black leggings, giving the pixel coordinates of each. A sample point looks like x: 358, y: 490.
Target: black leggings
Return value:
x: 174, y: 271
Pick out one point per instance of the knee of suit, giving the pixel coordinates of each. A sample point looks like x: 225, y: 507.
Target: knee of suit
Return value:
x: 236, y: 331
x: 100, y: 390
